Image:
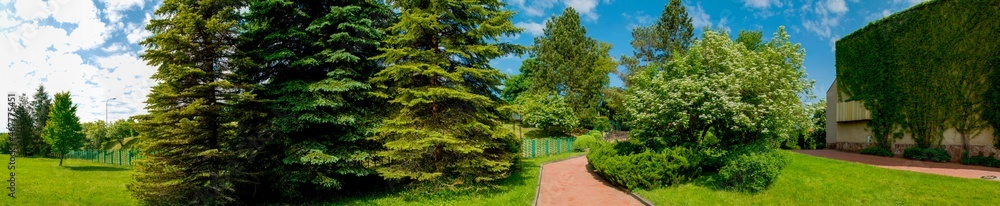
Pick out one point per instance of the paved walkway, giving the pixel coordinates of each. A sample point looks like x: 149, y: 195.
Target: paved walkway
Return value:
x: 949, y: 169
x: 568, y: 182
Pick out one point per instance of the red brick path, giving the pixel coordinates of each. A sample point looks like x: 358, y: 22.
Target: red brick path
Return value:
x: 569, y: 182
x: 949, y: 169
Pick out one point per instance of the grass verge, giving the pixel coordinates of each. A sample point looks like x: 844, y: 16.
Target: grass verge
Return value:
x: 518, y: 189
x: 41, y: 181
x: 809, y: 180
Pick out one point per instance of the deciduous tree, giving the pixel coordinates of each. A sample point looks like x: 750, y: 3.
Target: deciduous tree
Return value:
x: 63, y: 131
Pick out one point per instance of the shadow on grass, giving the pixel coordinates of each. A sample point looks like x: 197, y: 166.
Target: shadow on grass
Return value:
x: 95, y: 168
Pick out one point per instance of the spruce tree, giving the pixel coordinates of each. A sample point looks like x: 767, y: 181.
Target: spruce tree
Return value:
x: 188, y: 139
x: 573, y: 65
x: 41, y: 104
x: 312, y: 60
x: 24, y: 126
x: 446, y: 128
x: 62, y: 130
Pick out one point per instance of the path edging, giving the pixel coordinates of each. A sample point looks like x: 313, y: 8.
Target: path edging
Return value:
x: 538, y: 186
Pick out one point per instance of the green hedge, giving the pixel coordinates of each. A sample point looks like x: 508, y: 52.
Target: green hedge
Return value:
x: 927, y: 154
x: 877, y: 151
x: 925, y: 69
x: 647, y: 169
x: 589, y: 140
x: 982, y: 160
x: 753, y: 172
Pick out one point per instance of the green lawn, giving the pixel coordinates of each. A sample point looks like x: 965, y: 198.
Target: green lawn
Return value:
x: 519, y: 189
x: 40, y: 181
x: 812, y: 180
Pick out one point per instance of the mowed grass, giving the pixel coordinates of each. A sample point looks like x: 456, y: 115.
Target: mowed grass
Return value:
x: 518, y: 189
x: 809, y: 180
x: 41, y: 181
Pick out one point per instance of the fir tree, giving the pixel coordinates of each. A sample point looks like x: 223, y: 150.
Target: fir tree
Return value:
x: 447, y: 129
x: 24, y: 126
x: 188, y: 137
x: 313, y: 105
x: 41, y: 104
x: 62, y: 130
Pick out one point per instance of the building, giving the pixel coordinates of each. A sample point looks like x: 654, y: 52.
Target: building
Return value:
x: 938, y: 51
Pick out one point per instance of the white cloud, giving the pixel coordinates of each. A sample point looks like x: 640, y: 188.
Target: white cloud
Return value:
x: 34, y: 51
x: 762, y: 4
x: 585, y: 7
x: 699, y: 18
x: 637, y: 19
x: 836, y: 6
x: 114, y: 8
x: 537, y: 8
x: 535, y: 29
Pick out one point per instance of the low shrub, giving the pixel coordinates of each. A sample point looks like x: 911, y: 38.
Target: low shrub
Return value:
x: 877, y: 151
x: 983, y: 160
x: 647, y: 169
x: 589, y: 140
x: 752, y: 172
x: 927, y: 154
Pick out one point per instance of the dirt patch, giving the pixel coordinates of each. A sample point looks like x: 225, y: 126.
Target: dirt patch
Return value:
x: 948, y: 169
x: 568, y: 182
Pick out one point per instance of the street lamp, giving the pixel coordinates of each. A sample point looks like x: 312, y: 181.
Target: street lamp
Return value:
x: 106, y: 111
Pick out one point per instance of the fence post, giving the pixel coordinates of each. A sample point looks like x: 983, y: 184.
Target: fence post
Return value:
x: 532, y: 148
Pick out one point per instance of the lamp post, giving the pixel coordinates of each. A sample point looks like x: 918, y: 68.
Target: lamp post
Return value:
x: 106, y: 111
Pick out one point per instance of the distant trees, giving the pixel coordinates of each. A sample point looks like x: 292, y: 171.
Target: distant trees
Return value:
x: 671, y: 35
x: 62, y: 130
x: 24, y: 125
x: 572, y: 65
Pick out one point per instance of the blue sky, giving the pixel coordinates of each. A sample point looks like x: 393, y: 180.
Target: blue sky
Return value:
x: 90, y: 48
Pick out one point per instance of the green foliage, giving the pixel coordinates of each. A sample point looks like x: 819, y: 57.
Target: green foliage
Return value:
x: 671, y: 35
x: 517, y: 84
x: 927, y: 154
x: 118, y: 132
x: 739, y: 95
x: 95, y: 134
x: 191, y: 150
x: 812, y: 134
x: 310, y: 63
x: 879, y: 151
x: 572, y: 65
x: 5, y: 142
x: 63, y: 130
x: 23, y: 127
x: 982, y: 160
x: 899, y: 66
x: 646, y: 169
x: 550, y: 113
x: 753, y: 172
x: 446, y: 126
x: 590, y: 140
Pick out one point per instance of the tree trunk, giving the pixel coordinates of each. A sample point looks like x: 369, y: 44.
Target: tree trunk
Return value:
x: 61, y: 158
x: 965, y: 143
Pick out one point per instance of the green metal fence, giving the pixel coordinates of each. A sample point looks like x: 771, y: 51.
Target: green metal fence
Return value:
x: 113, y: 157
x: 546, y: 146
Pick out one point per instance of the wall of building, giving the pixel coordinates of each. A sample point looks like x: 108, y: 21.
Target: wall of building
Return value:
x: 831, y: 114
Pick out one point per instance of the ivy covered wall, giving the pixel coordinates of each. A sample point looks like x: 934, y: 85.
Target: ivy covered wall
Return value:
x: 926, y: 69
